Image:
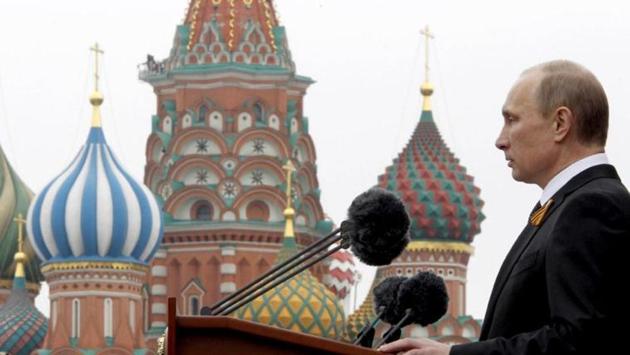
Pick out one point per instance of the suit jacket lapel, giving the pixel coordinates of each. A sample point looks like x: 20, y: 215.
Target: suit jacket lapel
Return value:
x: 599, y: 171
x: 506, y: 269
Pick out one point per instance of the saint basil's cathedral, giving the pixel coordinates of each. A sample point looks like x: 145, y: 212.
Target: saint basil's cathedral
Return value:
x: 230, y: 189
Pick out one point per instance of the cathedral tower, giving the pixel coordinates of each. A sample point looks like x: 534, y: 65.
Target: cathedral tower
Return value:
x: 445, y: 211
x: 22, y: 326
x: 229, y: 116
x: 96, y: 229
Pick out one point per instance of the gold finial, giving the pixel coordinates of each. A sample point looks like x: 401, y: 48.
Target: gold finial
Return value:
x: 289, y: 212
x: 96, y: 99
x: 20, y: 256
x: 427, y: 88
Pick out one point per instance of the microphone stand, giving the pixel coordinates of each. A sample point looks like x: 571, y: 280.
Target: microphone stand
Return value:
x: 394, y: 332
x: 248, y: 297
x: 365, y: 338
x: 277, y: 270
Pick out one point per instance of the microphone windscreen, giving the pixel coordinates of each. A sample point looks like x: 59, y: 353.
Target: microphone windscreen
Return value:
x: 426, y: 295
x: 386, y: 299
x: 378, y: 226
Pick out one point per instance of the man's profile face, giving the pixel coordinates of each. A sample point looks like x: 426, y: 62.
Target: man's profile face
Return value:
x: 526, y: 137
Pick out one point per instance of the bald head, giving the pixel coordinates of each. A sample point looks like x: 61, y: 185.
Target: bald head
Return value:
x: 568, y: 84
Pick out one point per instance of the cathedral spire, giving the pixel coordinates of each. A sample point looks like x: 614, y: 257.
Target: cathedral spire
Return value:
x: 19, y: 281
x: 427, y: 88
x: 96, y: 99
x: 289, y: 212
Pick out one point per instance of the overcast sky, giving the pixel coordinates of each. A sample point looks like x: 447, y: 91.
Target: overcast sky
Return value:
x: 367, y: 58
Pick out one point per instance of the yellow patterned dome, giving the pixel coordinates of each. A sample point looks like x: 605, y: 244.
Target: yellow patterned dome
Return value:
x: 301, y: 303
x: 365, y: 313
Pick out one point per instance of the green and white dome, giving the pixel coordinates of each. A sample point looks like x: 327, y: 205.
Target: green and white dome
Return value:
x: 15, y: 198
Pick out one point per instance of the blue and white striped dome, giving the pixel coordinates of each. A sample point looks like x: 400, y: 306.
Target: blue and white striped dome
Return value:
x: 95, y: 211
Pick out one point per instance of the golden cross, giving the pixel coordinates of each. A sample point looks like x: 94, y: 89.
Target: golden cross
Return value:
x: 428, y: 35
x: 289, y: 168
x: 97, y: 50
x: 20, y: 222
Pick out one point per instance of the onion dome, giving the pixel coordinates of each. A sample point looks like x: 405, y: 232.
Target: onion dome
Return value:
x: 445, y: 211
x: 365, y: 312
x: 94, y: 210
x: 341, y: 274
x: 442, y: 201
x: 15, y: 197
x: 22, y: 327
x: 301, y: 303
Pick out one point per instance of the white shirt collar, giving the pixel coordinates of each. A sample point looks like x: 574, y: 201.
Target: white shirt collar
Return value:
x: 569, y: 172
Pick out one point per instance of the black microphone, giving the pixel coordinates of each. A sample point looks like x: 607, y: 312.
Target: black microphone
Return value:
x: 386, y: 304
x: 386, y: 297
x: 422, y: 299
x: 377, y: 226
x: 377, y: 230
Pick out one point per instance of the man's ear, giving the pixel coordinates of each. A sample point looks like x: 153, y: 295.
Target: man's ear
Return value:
x: 563, y: 122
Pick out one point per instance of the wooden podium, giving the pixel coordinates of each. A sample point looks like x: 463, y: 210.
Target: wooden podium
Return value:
x: 226, y: 335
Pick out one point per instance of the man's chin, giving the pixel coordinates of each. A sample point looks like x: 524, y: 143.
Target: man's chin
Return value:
x: 520, y: 178
x: 516, y: 176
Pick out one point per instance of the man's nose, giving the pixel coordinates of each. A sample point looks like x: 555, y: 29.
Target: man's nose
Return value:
x: 501, y: 142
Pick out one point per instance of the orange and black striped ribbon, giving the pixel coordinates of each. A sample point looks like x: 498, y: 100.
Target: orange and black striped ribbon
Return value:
x: 539, y: 215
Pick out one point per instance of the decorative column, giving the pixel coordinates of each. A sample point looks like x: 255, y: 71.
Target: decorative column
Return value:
x: 154, y: 299
x: 227, y: 270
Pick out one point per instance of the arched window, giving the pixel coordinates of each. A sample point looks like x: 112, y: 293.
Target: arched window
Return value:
x: 257, y: 211
x: 132, y: 316
x: 187, y: 121
x: 203, y: 112
x: 53, y: 313
x: 244, y: 121
x: 193, y: 306
x: 167, y: 125
x: 468, y: 331
x: 108, y: 323
x: 274, y: 122
x: 202, y: 211
x: 76, y: 318
x: 419, y: 332
x: 262, y: 266
x: 447, y: 330
x: 145, y: 310
x: 259, y: 112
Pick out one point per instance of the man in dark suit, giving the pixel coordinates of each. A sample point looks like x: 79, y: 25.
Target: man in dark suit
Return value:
x: 559, y: 289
